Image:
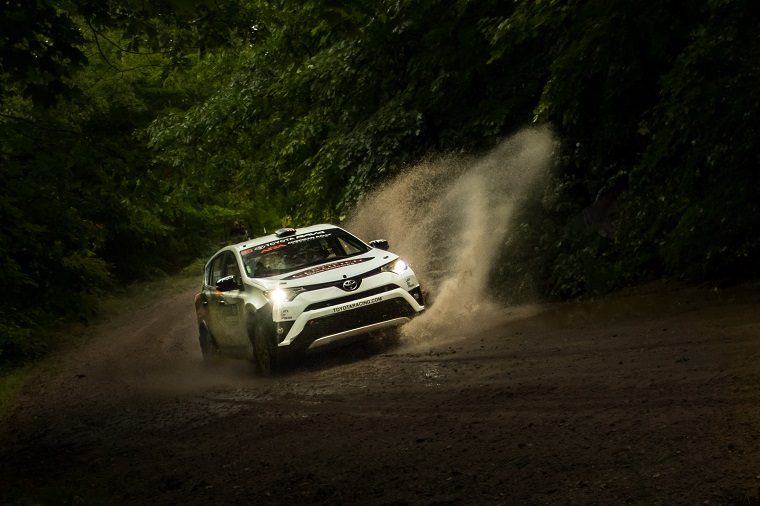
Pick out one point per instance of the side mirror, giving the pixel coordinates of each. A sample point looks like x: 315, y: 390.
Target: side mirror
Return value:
x: 379, y: 244
x: 226, y: 284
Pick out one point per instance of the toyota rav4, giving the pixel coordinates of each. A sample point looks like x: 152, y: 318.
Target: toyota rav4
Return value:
x: 298, y: 290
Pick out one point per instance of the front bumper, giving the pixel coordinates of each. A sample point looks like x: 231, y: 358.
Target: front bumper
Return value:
x: 338, y: 319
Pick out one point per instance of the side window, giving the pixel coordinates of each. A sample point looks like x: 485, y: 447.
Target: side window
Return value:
x: 349, y: 248
x: 216, y: 270
x: 231, y: 266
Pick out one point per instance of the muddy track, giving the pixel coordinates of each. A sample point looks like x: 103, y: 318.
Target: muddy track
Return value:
x: 652, y: 397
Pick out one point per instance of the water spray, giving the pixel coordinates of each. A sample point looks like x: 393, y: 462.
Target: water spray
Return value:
x: 450, y: 217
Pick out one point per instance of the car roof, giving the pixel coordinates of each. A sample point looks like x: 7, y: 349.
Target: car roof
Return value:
x: 272, y: 237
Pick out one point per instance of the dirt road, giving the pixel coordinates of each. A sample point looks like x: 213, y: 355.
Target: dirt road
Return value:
x: 652, y: 397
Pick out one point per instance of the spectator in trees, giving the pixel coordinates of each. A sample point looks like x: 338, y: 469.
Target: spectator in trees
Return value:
x: 238, y: 232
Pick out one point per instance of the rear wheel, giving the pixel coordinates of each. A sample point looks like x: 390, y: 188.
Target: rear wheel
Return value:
x: 265, y: 351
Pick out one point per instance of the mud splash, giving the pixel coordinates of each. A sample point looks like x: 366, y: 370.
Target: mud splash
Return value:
x: 449, y: 218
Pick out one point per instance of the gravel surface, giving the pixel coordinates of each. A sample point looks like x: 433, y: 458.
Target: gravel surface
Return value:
x: 647, y: 397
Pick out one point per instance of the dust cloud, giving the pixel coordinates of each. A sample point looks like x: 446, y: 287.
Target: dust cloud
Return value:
x: 449, y: 218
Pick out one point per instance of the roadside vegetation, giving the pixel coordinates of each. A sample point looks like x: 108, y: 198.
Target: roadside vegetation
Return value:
x: 134, y: 133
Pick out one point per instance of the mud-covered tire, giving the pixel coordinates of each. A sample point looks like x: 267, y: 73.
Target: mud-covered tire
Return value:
x: 209, y: 349
x: 384, y: 339
x: 265, y: 353
x: 392, y: 336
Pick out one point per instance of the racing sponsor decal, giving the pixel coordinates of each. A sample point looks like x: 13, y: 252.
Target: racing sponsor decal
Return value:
x: 295, y: 239
x: 354, y: 305
x: 327, y: 267
x: 273, y: 248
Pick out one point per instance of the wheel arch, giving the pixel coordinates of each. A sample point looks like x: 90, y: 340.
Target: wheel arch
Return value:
x: 254, y: 315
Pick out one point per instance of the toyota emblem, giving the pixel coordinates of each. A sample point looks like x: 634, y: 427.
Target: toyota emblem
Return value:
x: 350, y: 285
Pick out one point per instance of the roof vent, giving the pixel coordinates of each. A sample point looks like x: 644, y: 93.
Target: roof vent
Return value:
x: 284, y: 232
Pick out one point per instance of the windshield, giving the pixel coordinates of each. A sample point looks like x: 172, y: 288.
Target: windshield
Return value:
x: 300, y: 251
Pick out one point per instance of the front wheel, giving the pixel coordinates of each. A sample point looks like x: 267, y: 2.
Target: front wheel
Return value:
x: 209, y: 349
x: 384, y: 339
x: 265, y: 352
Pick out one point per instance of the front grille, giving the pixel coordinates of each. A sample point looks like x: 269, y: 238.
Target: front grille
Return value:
x: 349, y: 298
x: 355, y: 318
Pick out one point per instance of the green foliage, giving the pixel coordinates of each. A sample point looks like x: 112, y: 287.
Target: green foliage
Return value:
x: 133, y: 133
x: 17, y: 342
x: 83, y: 203
x: 695, y: 192
x: 38, y: 51
x: 658, y: 172
x: 341, y: 97
x: 10, y: 386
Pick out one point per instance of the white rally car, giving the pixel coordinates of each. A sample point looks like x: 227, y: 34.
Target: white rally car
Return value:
x: 298, y: 290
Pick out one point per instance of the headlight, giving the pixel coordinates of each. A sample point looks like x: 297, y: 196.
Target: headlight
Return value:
x: 280, y: 295
x: 398, y: 266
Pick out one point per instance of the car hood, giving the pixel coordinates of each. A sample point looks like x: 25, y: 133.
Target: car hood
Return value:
x: 330, y: 271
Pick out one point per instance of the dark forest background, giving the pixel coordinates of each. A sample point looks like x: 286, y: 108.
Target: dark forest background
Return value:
x: 133, y: 133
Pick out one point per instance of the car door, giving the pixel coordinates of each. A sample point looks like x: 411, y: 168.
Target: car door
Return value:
x: 214, y: 300
x: 231, y: 306
x: 225, y: 303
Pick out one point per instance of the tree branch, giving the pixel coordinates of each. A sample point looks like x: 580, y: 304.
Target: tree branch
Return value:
x: 38, y: 125
x: 100, y: 49
x: 117, y: 46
